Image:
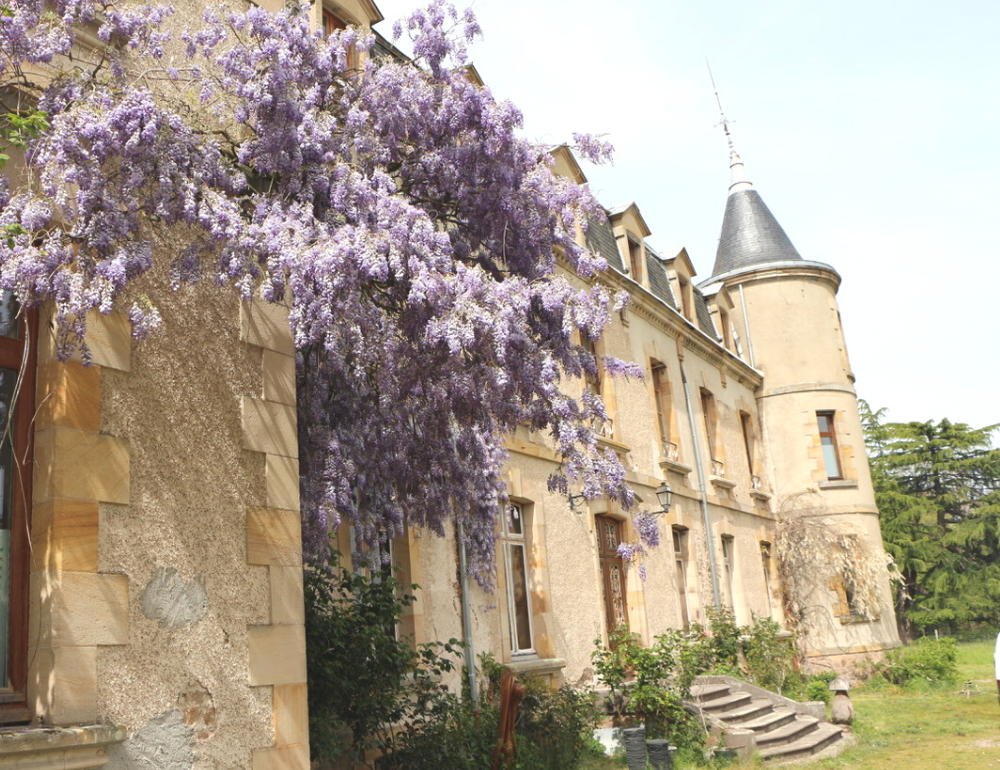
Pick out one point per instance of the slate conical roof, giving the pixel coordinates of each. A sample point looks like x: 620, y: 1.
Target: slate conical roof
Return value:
x: 751, y: 236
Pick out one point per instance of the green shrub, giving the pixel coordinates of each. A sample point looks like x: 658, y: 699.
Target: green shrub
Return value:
x: 724, y: 639
x: 770, y: 660
x: 362, y: 680
x: 648, y: 684
x: 929, y: 660
x: 818, y: 688
x: 554, y: 731
x: 555, y: 728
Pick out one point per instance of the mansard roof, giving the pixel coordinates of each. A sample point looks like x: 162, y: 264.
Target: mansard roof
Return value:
x: 659, y: 284
x: 600, y: 239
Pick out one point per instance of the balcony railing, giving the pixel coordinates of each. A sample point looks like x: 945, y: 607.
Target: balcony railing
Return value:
x: 670, y: 451
x: 756, y: 483
x: 718, y: 468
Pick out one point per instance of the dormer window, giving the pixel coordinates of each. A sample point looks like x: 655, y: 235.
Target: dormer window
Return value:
x: 635, y: 260
x: 725, y: 329
x: 686, y: 300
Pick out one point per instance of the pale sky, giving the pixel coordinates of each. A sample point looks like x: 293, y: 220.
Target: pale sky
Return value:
x: 869, y: 129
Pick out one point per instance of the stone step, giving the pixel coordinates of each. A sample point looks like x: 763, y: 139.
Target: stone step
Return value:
x: 756, y: 707
x: 706, y: 692
x: 817, y: 740
x: 772, y: 721
x: 789, y: 732
x: 726, y: 702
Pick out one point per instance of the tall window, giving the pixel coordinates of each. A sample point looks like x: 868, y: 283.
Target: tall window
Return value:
x: 377, y: 562
x: 680, y: 562
x: 711, y: 429
x: 828, y: 439
x: 746, y: 423
x: 661, y: 395
x: 593, y: 385
x: 765, y: 560
x: 609, y: 535
x: 515, y: 562
x: 332, y: 24
x: 591, y: 379
x: 17, y: 397
x: 728, y: 568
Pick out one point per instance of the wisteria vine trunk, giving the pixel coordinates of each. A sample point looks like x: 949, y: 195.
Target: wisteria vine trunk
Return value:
x: 415, y: 235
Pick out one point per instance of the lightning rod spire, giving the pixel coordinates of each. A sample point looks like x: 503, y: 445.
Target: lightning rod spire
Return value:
x: 738, y: 175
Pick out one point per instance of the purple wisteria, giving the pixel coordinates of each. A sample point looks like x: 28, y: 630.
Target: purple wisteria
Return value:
x: 414, y: 232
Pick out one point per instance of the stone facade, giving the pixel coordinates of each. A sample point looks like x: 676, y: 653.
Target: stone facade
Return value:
x: 165, y: 616
x: 744, y: 365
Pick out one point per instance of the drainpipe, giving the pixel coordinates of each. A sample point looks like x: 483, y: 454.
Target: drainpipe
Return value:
x: 463, y: 590
x: 746, y: 326
x: 699, y: 465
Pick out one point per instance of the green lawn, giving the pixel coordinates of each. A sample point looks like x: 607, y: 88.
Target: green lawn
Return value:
x: 924, y: 728
x: 929, y: 728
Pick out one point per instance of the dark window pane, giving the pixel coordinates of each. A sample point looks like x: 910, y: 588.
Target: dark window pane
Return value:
x: 8, y: 379
x: 519, y: 586
x: 9, y: 327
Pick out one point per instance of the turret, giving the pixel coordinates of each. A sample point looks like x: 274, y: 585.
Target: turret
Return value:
x: 785, y: 312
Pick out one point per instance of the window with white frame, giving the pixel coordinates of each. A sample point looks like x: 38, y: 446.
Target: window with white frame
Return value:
x: 515, y: 560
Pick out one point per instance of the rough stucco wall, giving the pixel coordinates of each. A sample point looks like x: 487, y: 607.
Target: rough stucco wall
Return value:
x: 181, y: 541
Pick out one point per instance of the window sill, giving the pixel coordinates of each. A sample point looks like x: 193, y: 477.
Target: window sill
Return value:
x: 610, y: 443
x: 536, y: 665
x: 676, y: 467
x: 756, y: 494
x: 839, y: 484
x: 857, y: 618
x: 83, y: 748
x: 721, y: 482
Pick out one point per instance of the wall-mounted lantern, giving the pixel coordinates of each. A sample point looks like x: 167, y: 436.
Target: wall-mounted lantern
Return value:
x: 664, y: 496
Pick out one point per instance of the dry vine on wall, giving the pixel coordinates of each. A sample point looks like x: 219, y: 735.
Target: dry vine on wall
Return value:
x: 812, y: 555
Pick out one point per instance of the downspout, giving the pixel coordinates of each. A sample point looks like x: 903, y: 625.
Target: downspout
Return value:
x: 746, y: 326
x: 463, y: 590
x: 699, y: 465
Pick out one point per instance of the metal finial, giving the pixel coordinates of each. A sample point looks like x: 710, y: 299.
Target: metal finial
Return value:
x: 738, y: 177
x: 724, y: 121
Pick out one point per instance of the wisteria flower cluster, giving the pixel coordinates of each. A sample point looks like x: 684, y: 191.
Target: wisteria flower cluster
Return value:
x: 393, y: 202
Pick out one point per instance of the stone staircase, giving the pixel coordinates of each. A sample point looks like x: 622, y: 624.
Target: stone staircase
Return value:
x: 750, y: 719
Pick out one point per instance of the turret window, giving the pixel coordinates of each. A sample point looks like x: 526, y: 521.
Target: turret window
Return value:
x: 828, y: 440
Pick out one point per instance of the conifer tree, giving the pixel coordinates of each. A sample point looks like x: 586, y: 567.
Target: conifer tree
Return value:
x: 936, y: 486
